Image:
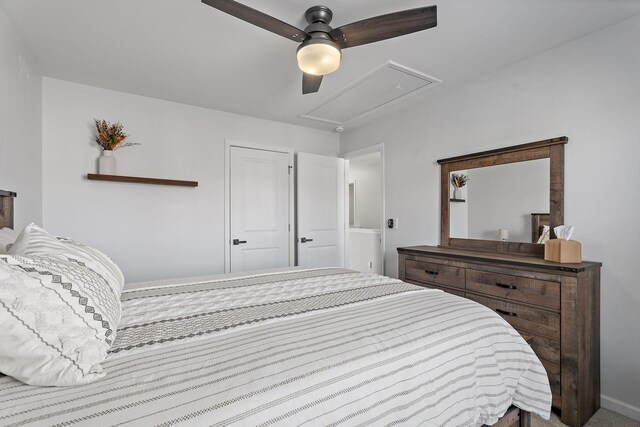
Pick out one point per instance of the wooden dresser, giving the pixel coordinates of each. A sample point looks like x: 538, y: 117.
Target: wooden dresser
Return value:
x: 555, y: 307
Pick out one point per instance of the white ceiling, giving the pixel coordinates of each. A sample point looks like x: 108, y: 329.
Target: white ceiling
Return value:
x: 185, y: 51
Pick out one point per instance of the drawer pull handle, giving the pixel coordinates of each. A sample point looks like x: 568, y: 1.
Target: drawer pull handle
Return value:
x: 505, y: 286
x: 506, y: 313
x: 433, y: 273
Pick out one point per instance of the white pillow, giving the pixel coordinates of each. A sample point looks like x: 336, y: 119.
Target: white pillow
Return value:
x: 57, y: 321
x: 34, y: 241
x: 7, y: 237
x: 59, y: 309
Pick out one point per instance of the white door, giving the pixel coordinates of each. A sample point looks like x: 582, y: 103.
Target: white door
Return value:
x: 321, y: 213
x: 259, y: 215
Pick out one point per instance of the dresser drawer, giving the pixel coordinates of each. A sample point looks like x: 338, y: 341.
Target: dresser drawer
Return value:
x: 544, y: 347
x: 553, y: 372
x: 432, y: 272
x: 459, y: 293
x: 523, y: 318
x: 515, y: 288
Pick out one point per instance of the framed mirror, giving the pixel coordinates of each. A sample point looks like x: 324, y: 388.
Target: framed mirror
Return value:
x: 505, y: 200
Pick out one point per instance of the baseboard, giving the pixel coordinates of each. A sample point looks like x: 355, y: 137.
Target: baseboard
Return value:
x: 620, y: 407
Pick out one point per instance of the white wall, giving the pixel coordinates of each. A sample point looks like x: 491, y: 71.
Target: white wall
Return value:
x: 587, y: 90
x: 20, y: 121
x: 150, y: 231
x: 365, y: 252
x: 367, y: 175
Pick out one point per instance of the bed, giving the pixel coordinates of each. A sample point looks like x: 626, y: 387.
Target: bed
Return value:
x: 297, y: 347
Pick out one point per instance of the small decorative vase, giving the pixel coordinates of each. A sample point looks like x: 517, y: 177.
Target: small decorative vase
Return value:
x: 107, y: 163
x: 457, y: 193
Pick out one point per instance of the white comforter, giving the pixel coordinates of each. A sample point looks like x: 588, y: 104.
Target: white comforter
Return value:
x: 297, y: 348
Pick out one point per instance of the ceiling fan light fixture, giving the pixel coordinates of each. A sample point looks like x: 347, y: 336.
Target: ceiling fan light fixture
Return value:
x: 320, y: 51
x: 319, y: 57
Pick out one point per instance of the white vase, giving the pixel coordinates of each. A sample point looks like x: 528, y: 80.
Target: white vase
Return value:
x: 107, y: 163
x: 457, y: 193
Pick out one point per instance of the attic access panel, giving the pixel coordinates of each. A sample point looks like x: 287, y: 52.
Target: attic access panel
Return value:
x: 381, y: 88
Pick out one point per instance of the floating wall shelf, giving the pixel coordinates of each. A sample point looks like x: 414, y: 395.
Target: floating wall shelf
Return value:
x: 140, y: 180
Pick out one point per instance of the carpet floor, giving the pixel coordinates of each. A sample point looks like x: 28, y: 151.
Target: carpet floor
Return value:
x: 602, y: 418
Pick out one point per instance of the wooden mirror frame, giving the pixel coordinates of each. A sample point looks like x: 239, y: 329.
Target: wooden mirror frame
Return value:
x: 553, y: 149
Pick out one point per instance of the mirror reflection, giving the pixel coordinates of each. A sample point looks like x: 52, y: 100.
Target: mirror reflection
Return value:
x: 507, y: 202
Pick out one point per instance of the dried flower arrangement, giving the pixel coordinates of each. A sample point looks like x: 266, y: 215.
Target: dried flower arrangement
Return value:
x: 459, y: 180
x: 111, y: 136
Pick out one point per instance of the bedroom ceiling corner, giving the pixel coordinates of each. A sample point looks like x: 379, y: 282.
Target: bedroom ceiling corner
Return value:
x: 185, y: 51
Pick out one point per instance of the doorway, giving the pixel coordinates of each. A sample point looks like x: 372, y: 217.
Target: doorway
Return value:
x: 365, y: 210
x: 259, y: 208
x: 320, y: 210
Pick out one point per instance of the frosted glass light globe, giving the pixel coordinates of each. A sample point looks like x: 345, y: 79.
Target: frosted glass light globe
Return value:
x: 318, y: 58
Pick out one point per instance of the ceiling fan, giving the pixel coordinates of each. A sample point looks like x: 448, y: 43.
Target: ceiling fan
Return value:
x: 320, y: 50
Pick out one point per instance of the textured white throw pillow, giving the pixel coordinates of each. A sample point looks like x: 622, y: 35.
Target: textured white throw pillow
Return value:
x: 59, y: 309
x: 34, y: 241
x: 52, y: 332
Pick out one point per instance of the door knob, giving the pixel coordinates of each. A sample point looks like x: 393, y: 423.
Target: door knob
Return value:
x: 305, y: 240
x: 238, y: 242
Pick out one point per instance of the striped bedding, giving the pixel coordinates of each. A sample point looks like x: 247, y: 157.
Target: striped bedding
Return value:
x: 297, y: 348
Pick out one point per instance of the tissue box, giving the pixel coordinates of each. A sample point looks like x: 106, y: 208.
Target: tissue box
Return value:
x: 565, y: 251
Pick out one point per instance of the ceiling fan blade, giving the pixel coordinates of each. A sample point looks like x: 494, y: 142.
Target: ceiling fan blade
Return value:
x: 258, y: 19
x: 385, y: 27
x: 310, y: 83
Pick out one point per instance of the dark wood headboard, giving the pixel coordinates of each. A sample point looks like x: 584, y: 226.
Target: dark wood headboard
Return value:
x: 6, y: 208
